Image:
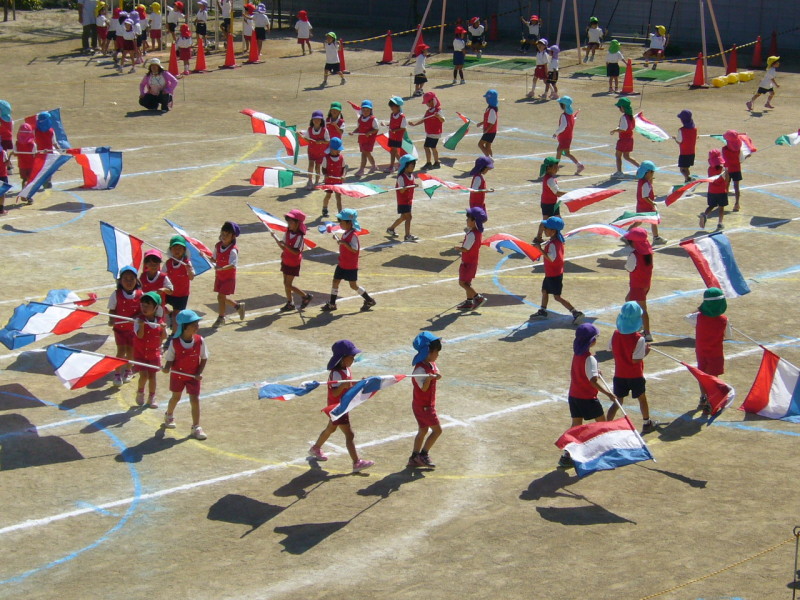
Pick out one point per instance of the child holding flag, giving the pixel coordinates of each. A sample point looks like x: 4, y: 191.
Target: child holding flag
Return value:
x: 397, y: 128
x: 334, y: 169
x: 25, y: 151
x: 347, y: 269
x: 404, y: 188
x: 432, y: 120
x: 150, y: 331
x: 646, y: 196
x: 180, y: 272
x: 731, y: 154
x: 423, y: 404
x: 470, y: 253
x: 318, y: 139
x: 186, y: 354
x: 344, y: 353
x: 153, y: 279
x: 367, y: 131
x: 711, y: 329
x: 225, y: 258
x: 334, y: 122
x: 640, y: 273
x: 687, y: 142
x: 550, y: 193
x: 625, y: 142
x: 717, y: 196
x: 478, y: 188
x: 566, y: 125
x: 124, y: 302
x: 292, y: 256
x: 489, y: 123
x: 553, y: 257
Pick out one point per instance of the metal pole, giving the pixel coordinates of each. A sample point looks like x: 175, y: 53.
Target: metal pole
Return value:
x: 561, y: 22
x: 441, y: 29
x: 577, y: 31
x: 703, y: 35
x: 716, y: 31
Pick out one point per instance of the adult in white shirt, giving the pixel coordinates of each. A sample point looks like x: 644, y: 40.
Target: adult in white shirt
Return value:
x: 87, y: 18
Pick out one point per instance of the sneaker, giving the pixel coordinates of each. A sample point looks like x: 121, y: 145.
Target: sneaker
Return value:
x: 542, y: 312
x: 553, y: 96
x: 654, y: 66
x: 426, y: 166
x: 343, y: 81
x: 577, y: 317
x: 466, y: 305
x: 454, y: 81
x: 565, y: 462
x: 736, y: 207
x: 648, y: 337
x: 169, y: 421
x: 768, y: 105
x: 426, y: 460
x: 391, y: 232
x: 328, y: 307
x: 287, y: 307
x: 198, y: 433
x: 617, y: 174
x: 585, y: 59
x: 410, y: 238
x: 218, y: 322
x: 306, y: 299
x: 580, y: 169
x: 186, y: 72
x: 151, y: 401
x: 140, y: 397
x: 463, y: 81
x: 358, y: 173
x: 749, y: 105
x: 720, y: 227
x: 703, y: 218
x: 437, y: 165
x: 649, y: 426
x: 240, y: 309
x: 703, y: 403
x: 324, y: 212
x: 316, y: 452
x: 368, y: 304
x: 658, y: 240
x: 478, y: 301
x: 362, y: 464
x: 415, y: 461
x: 128, y: 376
x: 117, y: 379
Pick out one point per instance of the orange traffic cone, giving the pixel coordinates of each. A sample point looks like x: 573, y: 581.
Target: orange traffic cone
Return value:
x: 756, y: 64
x: 733, y: 62
x: 230, y: 57
x: 627, y: 83
x: 254, y: 58
x: 200, y: 62
x: 388, y: 50
x: 699, y: 74
x: 342, y: 64
x: 173, y: 61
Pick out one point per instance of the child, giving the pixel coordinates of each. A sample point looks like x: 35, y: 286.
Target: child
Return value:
x: 478, y: 188
x: 124, y: 302
x: 470, y: 253
x: 489, y: 123
x: 459, y: 54
x: 640, y: 273
x: 117, y: 27
x: 613, y: 58
x: 332, y: 64
x: 594, y: 35
x: 304, y: 31
x: 25, y: 150
x: 625, y: 142
x: 548, y: 172
x: 476, y: 36
x: 184, y: 46
x: 432, y: 120
x: 318, y: 140
x: 344, y: 353
x: 102, y: 26
x: 261, y: 25
x: 658, y: 42
x: 153, y: 279
x: 404, y: 188
x: 711, y: 329
x: 225, y: 8
x: 367, y: 131
x: 334, y: 169
x: 347, y: 269
x: 646, y: 196
x: 552, y: 73
x: 225, y: 258
x: 334, y: 122
x: 292, y: 257
x: 419, y: 68
x: 532, y: 33
x: 129, y: 46
x: 45, y: 138
x: 141, y: 41
x: 180, y: 272
x: 5, y: 165
x: 717, y: 196
x: 186, y: 354
x: 584, y: 383
x: 540, y: 72
x: 768, y: 84
x: 247, y: 25
x: 149, y: 329
x: 553, y: 257
x: 731, y: 154
x: 175, y: 17
x: 201, y: 22
x: 155, y: 19
x: 687, y: 142
x: 6, y: 126
x: 566, y: 125
x: 423, y: 403
x: 629, y: 348
x: 137, y: 31
x: 397, y: 128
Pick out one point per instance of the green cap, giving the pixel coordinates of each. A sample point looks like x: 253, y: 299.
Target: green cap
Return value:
x: 613, y: 46
x: 548, y: 162
x: 154, y: 296
x: 337, y: 106
x: 594, y: 20
x: 333, y: 35
x: 177, y: 240
x: 625, y: 104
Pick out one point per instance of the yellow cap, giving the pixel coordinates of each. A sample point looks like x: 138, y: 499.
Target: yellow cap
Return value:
x: 772, y: 60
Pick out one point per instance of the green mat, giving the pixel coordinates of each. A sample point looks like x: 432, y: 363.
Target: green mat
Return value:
x: 598, y: 71
x: 470, y: 61
x: 514, y: 64
x: 659, y: 75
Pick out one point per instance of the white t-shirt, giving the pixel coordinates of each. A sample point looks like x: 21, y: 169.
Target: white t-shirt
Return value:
x: 594, y: 35
x: 542, y: 58
x: 614, y: 57
x: 303, y: 29
x: 155, y: 20
x: 476, y: 31
x: 459, y: 45
x: 469, y: 240
x: 552, y: 183
x: 623, y: 123
x: 174, y: 16
x: 226, y: 8
x: 260, y: 20
x: 247, y: 25
x: 102, y: 21
x: 646, y: 190
x: 201, y: 16
x: 331, y: 53
x: 553, y: 64
x: 129, y: 35
x: 768, y: 80
x: 656, y: 41
x: 492, y: 118
x: 183, y: 42
x: 419, y: 65
x: 590, y: 367
x: 533, y: 29
x: 562, y: 124
x: 170, y: 354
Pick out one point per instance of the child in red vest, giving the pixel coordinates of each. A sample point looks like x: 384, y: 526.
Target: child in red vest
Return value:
x: 292, y: 257
x: 186, y: 356
x: 646, y: 196
x: 470, y: 253
x: 432, y: 120
x: 333, y: 168
x: 625, y: 142
x: 180, y: 273
x: 489, y: 123
x: 404, y: 188
x: 367, y: 131
x: 150, y: 331
x: 640, y: 272
x: 687, y: 142
x: 124, y: 302
x: 553, y: 257
x: 344, y: 353
x: 731, y: 154
x: 717, y: 196
x: 153, y: 279
x: 347, y: 269
x: 25, y: 150
x: 478, y: 187
x: 423, y: 404
x: 397, y: 128
x: 318, y: 139
x: 334, y: 122
x: 711, y: 329
x: 225, y: 258
x: 566, y: 125
x: 550, y: 193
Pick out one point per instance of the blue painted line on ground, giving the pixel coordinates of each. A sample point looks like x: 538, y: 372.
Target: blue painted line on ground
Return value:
x: 77, y: 217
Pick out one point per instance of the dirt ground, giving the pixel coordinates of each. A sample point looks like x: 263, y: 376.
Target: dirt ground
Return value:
x: 98, y: 501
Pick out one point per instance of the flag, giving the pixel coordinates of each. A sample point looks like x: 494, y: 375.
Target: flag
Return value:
x: 790, y: 139
x: 718, y: 393
x: 44, y: 167
x: 68, y: 298
x: 609, y: 230
x: 582, y: 197
x: 776, y: 390
x: 354, y: 190
x: 102, y: 168
x: 328, y: 227
x: 278, y: 391
x: 713, y: 257
x: 685, y: 190
x: 649, y: 129
x: 504, y: 240
x: 290, y: 141
x: 76, y: 368
x: 122, y: 249
x: 58, y: 127
x: 355, y: 107
x: 4, y: 187
x: 407, y: 146
x: 273, y: 223
x: 603, y: 445
x: 748, y: 146
x: 263, y: 123
x: 629, y: 217
x: 431, y: 183
x: 199, y: 253
x: 36, y: 320
x: 360, y: 393
x: 451, y: 141
x: 272, y: 177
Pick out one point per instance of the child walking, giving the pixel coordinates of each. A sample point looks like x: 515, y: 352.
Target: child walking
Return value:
x: 25, y: 151
x: 334, y: 169
x: 318, y: 139
x: 102, y: 26
x: 187, y: 355
x: 149, y: 332
x: 225, y: 258
x: 540, y: 71
x: 367, y: 131
x: 625, y: 142
x: 247, y: 25
x: 155, y: 19
x: 470, y: 253
x: 687, y: 142
x: 423, y: 402
x: 552, y: 73
x: 646, y: 196
x: 5, y: 165
x: 304, y: 31
x: 344, y: 353
x: 531, y: 34
x: 153, y: 279
x: 566, y: 126
x: 711, y: 329
x: 549, y: 205
x: 421, y: 52
x: 629, y: 348
x: 459, y: 54
x: 478, y: 187
x: 124, y: 302
x: 640, y: 273
x: 613, y: 58
x: 732, y: 155
x: 594, y: 35
x: 404, y: 188
x: 489, y: 123
x: 717, y: 197
x: 332, y: 64
x: 261, y: 25
x: 184, y: 47
x: 334, y: 122
x: 292, y: 257
x: 658, y: 42
x: 553, y: 257
x: 767, y: 84
x: 129, y: 46
x: 180, y: 272
x: 347, y: 269
x: 397, y: 128
x: 432, y: 120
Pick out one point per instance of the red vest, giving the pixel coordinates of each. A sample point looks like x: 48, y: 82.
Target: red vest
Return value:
x: 127, y: 307
x: 347, y: 258
x: 548, y: 196
x: 579, y: 384
x: 315, y: 149
x: 642, y: 275
x: 25, y: 161
x: 554, y: 268
x: 43, y: 139
x: 433, y: 126
x: 719, y: 185
x: 641, y: 205
x: 478, y: 198
x: 224, y: 259
x: 628, y: 132
x: 395, y: 122
x: 334, y: 400
x: 622, y: 347
x: 688, y: 140
x: 709, y: 335
x: 6, y: 130
x: 565, y: 137
x: 3, y: 167
x: 148, y: 347
x: 334, y: 168
x: 290, y: 258
x: 179, y: 276
x: 187, y: 360
x: 732, y: 160
x: 405, y: 197
x: 471, y: 256
x: 334, y: 127
x: 365, y: 124
x: 426, y: 398
x: 490, y: 127
x: 155, y: 285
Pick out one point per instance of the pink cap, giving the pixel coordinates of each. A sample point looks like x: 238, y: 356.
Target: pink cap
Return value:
x: 154, y: 252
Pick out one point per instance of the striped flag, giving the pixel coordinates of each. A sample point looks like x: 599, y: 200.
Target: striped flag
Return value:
x: 272, y: 177
x: 685, y: 190
x: 790, y: 139
x: 608, y: 230
x: 713, y: 257
x: 354, y: 190
x: 273, y: 223
x: 36, y: 320
x: 718, y: 393
x: 355, y: 107
x: 582, y: 197
x: 4, y: 187
x: 776, y: 390
x: 278, y: 391
x: 748, y: 146
x: 44, y: 167
x: 122, y: 249
x: 263, y: 123
x: 360, y: 393
x: 431, y: 183
x: 629, y: 217
x: 504, y: 240
x: 199, y: 253
x: 102, y: 168
x: 452, y: 140
x: 58, y: 127
x: 649, y: 129
x: 77, y: 369
x: 328, y: 227
x: 407, y: 146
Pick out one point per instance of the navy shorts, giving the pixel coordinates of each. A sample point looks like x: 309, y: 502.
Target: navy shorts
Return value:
x: 395, y: 143
x: 171, y: 26
x: 332, y: 68
x: 612, y: 69
x: 634, y: 385
x: 261, y: 33
x: 765, y: 90
x: 488, y: 137
x: 345, y: 274
x: 717, y: 199
x: 735, y: 175
x: 430, y: 142
x: 685, y: 161
x: 552, y: 76
x: 550, y: 210
x: 178, y: 303
x: 458, y: 59
x: 582, y: 408
x: 200, y: 29
x: 403, y: 209
x: 553, y: 284
x: 420, y: 79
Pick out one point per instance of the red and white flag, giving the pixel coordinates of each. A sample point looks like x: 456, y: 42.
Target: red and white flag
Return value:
x: 77, y: 369
x: 718, y: 393
x: 583, y: 197
x: 505, y: 240
x: 598, y: 229
x: 776, y: 390
x: 685, y: 190
x: 273, y: 223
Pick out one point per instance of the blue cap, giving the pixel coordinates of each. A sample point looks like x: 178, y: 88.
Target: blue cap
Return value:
x: 127, y: 268
x: 492, y: 98
x: 645, y: 167
x: 366, y: 104
x: 403, y: 162
x: 567, y: 102
x: 422, y: 344
x: 349, y: 214
x: 554, y: 223
x: 185, y: 317
x: 630, y: 318
x: 336, y: 144
x: 396, y: 100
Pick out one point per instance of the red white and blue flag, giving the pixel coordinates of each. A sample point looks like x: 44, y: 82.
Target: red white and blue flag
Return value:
x: 685, y: 190
x: 36, y: 320
x: 58, y: 126
x: 776, y: 390
x: 199, y: 253
x: 279, y: 391
x: 44, y: 167
x: 598, y: 229
x: 328, y: 227
x: 122, y: 249
x: 604, y: 445
x: 583, y: 197
x: 4, y: 187
x: 713, y: 257
x: 101, y: 166
x: 360, y: 393
x: 273, y: 223
x: 718, y: 393
x: 76, y: 368
x: 504, y: 240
